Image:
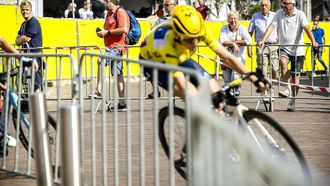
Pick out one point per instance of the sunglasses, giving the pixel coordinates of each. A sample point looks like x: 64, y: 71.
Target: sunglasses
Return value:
x: 285, y: 4
x: 167, y: 5
x: 190, y: 40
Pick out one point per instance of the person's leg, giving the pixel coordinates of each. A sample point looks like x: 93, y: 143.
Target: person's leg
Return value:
x: 296, y: 69
x: 285, y: 74
x: 99, y: 76
x: 262, y: 61
x: 315, y: 53
x: 98, y: 89
x: 297, y: 63
x: 227, y: 76
x: 319, y: 57
x: 274, y: 61
x: 118, y: 70
x: 151, y: 95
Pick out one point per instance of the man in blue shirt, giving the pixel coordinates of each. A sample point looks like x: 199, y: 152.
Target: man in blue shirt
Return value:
x: 266, y: 56
x: 30, y: 37
x: 320, y: 39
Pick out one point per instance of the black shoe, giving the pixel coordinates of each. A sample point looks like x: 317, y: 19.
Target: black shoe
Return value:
x: 120, y: 108
x: 151, y: 95
x: 2, y: 154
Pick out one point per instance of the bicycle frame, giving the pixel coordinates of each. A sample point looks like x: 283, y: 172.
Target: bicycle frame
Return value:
x: 237, y: 115
x: 12, y: 102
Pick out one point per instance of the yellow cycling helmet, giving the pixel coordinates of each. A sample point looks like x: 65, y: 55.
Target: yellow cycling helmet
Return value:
x: 187, y: 22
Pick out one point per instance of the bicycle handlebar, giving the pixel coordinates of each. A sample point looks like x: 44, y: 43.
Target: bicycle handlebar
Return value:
x: 260, y: 78
x: 225, y: 93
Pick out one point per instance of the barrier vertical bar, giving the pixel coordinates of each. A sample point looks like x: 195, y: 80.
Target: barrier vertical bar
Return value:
x: 70, y: 145
x: 41, y: 139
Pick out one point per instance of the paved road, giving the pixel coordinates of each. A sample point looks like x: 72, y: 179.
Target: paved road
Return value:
x: 309, y: 126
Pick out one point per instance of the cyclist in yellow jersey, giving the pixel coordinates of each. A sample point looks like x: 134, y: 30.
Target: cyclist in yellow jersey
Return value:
x: 176, y: 42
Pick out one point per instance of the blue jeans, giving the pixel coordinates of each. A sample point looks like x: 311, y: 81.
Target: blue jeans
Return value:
x: 229, y: 76
x: 115, y: 52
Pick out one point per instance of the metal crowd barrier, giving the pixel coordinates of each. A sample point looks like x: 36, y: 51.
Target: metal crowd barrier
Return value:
x: 221, y: 155
x: 310, y: 87
x: 115, y: 147
x: 122, y: 148
x: 21, y: 160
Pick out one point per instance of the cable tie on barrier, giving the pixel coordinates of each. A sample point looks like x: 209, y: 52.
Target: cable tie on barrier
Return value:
x: 307, y: 87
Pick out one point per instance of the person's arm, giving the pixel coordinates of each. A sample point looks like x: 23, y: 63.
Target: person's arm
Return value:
x: 269, y: 30
x: 232, y: 62
x: 208, y: 14
x: 122, y: 25
x: 7, y: 47
x: 180, y: 86
x: 22, y: 39
x: 310, y: 36
x: 323, y: 41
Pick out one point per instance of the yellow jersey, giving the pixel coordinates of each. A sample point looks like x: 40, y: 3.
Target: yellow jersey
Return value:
x: 161, y: 46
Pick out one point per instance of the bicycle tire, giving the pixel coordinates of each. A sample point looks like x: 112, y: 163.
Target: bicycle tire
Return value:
x: 288, y: 146
x: 179, y: 154
x: 24, y: 134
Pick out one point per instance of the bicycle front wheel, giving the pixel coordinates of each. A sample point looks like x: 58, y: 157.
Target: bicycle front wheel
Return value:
x: 24, y: 134
x: 281, y: 146
x: 179, y: 131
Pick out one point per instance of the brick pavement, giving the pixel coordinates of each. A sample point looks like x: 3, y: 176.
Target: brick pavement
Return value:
x: 309, y: 126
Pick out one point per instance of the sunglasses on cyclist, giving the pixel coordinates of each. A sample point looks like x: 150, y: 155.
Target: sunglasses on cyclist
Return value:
x: 190, y: 40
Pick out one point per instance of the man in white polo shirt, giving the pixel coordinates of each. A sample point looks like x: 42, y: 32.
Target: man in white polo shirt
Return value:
x: 290, y: 23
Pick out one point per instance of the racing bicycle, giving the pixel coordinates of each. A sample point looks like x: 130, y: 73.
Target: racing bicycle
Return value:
x: 267, y: 134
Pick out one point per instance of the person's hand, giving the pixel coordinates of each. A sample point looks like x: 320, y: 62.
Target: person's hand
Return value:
x: 260, y: 43
x: 262, y: 86
x: 260, y: 81
x: 236, y: 48
x: 315, y: 44
x: 101, y: 33
x: 249, y: 51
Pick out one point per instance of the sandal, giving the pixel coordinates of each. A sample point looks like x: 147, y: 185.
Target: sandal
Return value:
x: 96, y: 95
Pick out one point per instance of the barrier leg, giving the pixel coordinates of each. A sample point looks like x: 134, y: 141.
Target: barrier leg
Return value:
x: 70, y: 146
x: 41, y: 139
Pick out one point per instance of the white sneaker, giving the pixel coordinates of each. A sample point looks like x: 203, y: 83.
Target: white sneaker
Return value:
x: 291, y: 105
x: 11, y: 142
x: 285, y: 93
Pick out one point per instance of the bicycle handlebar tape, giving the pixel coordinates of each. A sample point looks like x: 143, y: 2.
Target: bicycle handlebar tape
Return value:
x: 217, y: 98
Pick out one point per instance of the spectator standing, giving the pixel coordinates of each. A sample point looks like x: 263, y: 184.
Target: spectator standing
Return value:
x: 30, y: 36
x: 319, y: 36
x: 290, y: 23
x: 85, y: 12
x: 234, y: 37
x: 265, y: 56
x: 169, y: 6
x: 203, y: 9
x: 114, y: 35
x: 71, y: 11
x: 98, y: 9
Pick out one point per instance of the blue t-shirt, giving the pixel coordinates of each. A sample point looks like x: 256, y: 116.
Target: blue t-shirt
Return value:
x: 32, y: 29
x: 318, y: 35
